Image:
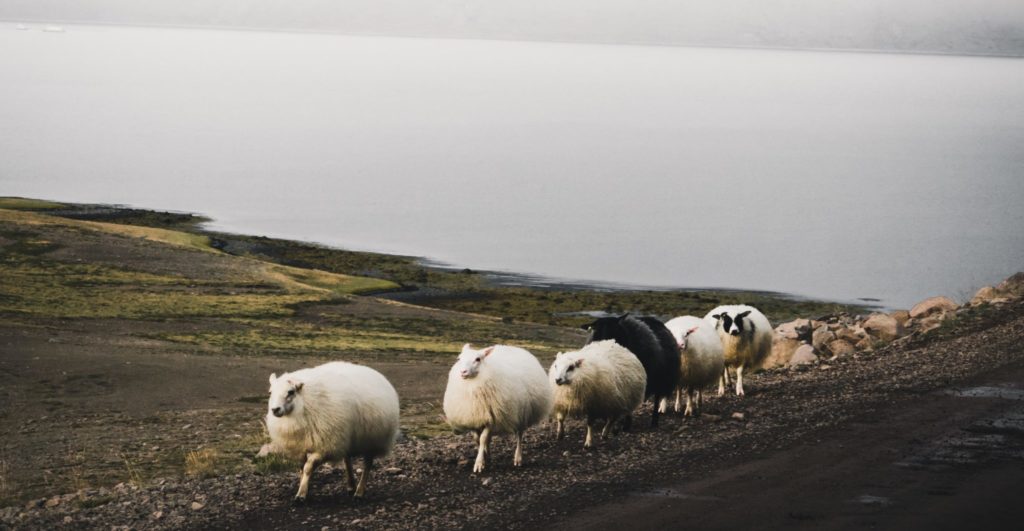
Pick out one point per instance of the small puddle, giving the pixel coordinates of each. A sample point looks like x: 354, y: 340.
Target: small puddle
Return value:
x: 867, y: 499
x: 1006, y: 393
x: 672, y: 493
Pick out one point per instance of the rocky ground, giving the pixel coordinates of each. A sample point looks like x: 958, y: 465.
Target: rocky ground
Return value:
x: 428, y: 484
x: 134, y: 358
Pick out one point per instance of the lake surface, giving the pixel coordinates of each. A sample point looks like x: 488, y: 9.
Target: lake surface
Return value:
x: 828, y: 175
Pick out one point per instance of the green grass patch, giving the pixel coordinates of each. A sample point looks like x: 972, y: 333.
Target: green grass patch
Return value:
x: 23, y: 203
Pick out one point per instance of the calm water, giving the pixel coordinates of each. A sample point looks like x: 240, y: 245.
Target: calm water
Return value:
x: 831, y: 175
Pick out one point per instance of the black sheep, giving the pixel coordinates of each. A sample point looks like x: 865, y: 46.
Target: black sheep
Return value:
x: 652, y: 343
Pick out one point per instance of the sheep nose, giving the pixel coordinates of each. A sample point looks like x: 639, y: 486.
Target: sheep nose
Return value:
x: 560, y: 381
x: 277, y: 411
x: 464, y: 373
x: 735, y: 332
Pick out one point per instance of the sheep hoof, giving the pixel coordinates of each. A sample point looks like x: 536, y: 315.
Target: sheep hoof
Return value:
x: 299, y: 500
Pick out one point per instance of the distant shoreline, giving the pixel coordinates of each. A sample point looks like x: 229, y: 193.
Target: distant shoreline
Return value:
x: 652, y: 44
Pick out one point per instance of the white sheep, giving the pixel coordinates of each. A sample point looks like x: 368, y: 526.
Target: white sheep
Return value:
x: 601, y: 381
x: 746, y: 338
x: 499, y: 390
x: 702, y: 359
x: 332, y: 413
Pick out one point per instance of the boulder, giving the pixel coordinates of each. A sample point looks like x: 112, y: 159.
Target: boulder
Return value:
x: 782, y: 350
x: 841, y: 347
x: 901, y: 316
x: 791, y: 330
x: 853, y: 334
x: 882, y: 326
x: 1013, y: 286
x: 804, y: 355
x: 930, y: 323
x: 984, y: 296
x: 932, y: 305
x: 821, y: 337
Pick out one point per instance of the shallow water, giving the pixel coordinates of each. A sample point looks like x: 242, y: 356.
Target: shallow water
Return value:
x: 830, y: 175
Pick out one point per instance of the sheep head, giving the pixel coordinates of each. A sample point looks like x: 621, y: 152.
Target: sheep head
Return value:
x: 564, y: 368
x: 470, y: 360
x: 285, y: 396
x: 686, y: 338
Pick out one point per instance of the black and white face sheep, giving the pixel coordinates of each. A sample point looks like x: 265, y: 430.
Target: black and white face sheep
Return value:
x: 334, y: 412
x: 652, y: 343
x: 746, y: 338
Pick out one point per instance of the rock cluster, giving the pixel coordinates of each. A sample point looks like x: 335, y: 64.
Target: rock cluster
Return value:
x: 805, y: 341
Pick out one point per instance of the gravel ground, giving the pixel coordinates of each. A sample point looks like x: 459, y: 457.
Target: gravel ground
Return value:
x: 428, y: 484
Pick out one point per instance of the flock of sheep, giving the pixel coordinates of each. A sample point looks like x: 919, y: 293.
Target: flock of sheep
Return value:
x: 338, y: 411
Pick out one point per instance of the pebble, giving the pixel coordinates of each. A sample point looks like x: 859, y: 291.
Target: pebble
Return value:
x: 738, y: 416
x: 52, y: 502
x: 158, y: 515
x: 196, y: 506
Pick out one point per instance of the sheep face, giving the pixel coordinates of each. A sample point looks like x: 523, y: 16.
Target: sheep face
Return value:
x: 470, y: 360
x: 565, y: 369
x: 683, y: 343
x: 285, y: 397
x: 729, y: 324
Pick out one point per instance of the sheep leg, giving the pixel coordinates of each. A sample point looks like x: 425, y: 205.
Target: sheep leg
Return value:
x: 663, y: 405
x: 655, y: 413
x: 589, y: 442
x: 361, y: 487
x: 307, y: 470
x: 559, y: 426
x: 518, y: 459
x: 348, y: 473
x: 689, y: 402
x: 679, y: 394
x: 607, y: 428
x: 481, y: 455
x: 700, y: 398
x: 627, y: 422
x: 721, y: 382
x: 739, y: 380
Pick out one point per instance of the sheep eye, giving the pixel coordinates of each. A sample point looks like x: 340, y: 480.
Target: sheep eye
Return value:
x: 571, y: 368
x: 291, y: 392
x: 478, y: 359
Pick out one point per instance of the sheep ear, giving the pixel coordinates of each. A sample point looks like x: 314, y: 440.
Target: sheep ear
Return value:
x: 466, y: 347
x: 578, y: 363
x: 487, y: 351
x: 744, y: 314
x: 273, y: 378
x: 692, y: 330
x: 559, y: 355
x: 588, y: 326
x: 717, y: 316
x: 296, y: 385
x: 624, y: 316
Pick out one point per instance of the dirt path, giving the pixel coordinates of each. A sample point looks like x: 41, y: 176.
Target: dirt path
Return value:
x: 953, y: 459
x: 819, y: 447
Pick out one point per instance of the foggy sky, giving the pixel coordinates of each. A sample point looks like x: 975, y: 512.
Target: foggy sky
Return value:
x: 992, y: 27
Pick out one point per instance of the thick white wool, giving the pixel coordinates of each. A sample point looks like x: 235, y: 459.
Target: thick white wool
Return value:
x: 703, y: 358
x: 508, y: 393
x: 749, y: 349
x: 340, y: 410
x: 606, y: 381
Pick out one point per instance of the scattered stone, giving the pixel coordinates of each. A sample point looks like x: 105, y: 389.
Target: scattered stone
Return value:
x: 821, y: 337
x: 803, y: 356
x: 984, y: 295
x: 841, y: 347
x: 901, y: 316
x: 932, y: 305
x: 158, y: 515
x: 52, y: 502
x: 68, y: 519
x: 882, y: 326
x: 392, y: 470
x: 782, y: 350
x: 739, y: 415
x: 486, y: 482
x: 196, y: 506
x: 1013, y: 286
